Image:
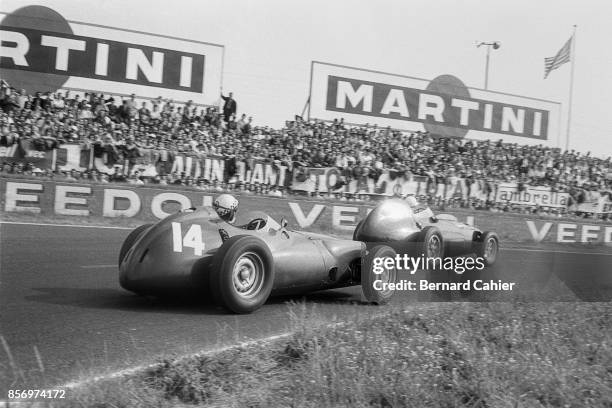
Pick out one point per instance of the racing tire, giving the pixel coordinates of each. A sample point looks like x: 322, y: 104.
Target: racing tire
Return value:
x: 431, y: 246
x: 431, y: 242
x: 242, y: 274
x: 487, y: 247
x: 130, y: 240
x: 368, y: 277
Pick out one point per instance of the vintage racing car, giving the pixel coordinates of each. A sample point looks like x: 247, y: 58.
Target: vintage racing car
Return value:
x: 417, y: 231
x: 241, y: 266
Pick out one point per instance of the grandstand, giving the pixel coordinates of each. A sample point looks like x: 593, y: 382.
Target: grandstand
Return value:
x: 96, y: 138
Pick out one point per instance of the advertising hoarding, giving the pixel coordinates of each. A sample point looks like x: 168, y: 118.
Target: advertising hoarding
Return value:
x: 42, y: 51
x: 49, y: 198
x: 443, y: 106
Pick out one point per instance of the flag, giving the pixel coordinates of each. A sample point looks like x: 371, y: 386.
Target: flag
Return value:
x: 561, y: 58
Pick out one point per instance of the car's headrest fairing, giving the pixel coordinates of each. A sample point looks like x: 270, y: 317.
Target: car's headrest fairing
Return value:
x: 392, y: 220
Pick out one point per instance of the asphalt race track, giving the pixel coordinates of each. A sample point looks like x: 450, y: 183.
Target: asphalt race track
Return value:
x: 64, y: 316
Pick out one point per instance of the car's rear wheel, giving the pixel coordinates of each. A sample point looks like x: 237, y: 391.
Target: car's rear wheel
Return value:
x: 242, y: 274
x: 487, y: 247
x: 382, y: 294
x: 130, y: 240
x: 432, y: 248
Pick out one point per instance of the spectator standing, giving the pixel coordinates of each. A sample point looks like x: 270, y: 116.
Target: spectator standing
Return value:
x: 22, y: 98
x: 247, y: 127
x: 144, y: 114
x: 241, y: 122
x: 229, y: 107
x: 105, y: 153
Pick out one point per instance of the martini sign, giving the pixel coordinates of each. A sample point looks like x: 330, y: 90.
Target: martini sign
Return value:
x: 41, y: 51
x: 443, y: 106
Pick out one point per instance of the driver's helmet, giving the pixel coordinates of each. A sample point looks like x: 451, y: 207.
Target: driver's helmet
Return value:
x: 226, y: 206
x: 412, y: 201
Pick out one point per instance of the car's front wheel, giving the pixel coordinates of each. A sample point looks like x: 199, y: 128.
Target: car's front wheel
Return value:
x: 432, y: 244
x: 242, y: 274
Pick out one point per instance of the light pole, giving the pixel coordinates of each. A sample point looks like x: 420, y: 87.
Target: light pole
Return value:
x: 495, y: 45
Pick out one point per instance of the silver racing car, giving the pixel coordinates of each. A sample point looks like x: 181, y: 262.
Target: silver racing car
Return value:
x: 417, y: 231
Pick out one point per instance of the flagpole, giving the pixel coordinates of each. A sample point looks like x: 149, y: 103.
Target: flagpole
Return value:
x: 571, y: 89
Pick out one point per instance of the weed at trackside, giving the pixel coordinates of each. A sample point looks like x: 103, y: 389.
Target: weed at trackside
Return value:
x: 456, y: 354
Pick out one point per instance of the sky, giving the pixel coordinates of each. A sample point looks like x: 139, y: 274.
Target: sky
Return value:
x: 269, y: 45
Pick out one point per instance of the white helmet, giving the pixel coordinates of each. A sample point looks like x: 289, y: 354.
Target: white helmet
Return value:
x: 412, y: 201
x: 226, y: 206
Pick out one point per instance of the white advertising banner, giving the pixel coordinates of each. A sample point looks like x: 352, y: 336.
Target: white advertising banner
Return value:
x: 442, y: 106
x: 42, y: 51
x: 530, y: 195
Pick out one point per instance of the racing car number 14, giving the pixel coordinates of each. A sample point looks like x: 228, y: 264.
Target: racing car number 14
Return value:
x: 192, y: 239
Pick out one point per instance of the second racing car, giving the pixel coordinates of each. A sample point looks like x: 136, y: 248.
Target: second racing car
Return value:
x: 413, y: 229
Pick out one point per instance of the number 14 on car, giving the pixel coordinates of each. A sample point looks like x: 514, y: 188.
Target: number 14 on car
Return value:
x: 192, y: 239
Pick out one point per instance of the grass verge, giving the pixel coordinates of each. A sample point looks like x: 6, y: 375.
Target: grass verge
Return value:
x: 443, y: 355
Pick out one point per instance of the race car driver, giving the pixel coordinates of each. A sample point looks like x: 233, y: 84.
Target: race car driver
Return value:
x: 226, y: 205
x: 421, y: 213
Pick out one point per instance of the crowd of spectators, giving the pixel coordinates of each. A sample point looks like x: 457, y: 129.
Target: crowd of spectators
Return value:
x: 118, y: 130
